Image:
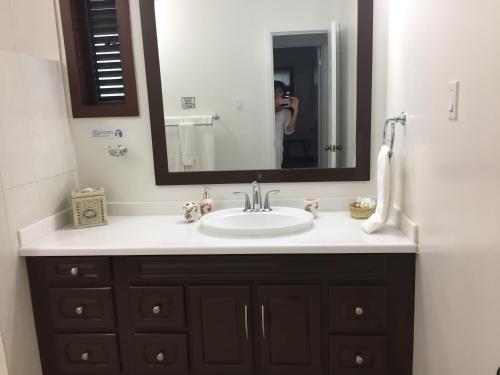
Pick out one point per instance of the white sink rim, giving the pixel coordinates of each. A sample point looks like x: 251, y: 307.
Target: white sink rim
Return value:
x: 218, y: 222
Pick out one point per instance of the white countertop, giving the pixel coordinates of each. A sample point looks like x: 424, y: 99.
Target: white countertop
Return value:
x: 333, y: 232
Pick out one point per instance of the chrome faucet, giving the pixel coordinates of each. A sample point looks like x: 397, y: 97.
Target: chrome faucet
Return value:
x: 257, y: 204
x: 257, y: 196
x: 267, y: 201
x: 247, y: 208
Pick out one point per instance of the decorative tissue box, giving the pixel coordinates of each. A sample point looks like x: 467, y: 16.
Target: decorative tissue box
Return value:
x: 89, y: 207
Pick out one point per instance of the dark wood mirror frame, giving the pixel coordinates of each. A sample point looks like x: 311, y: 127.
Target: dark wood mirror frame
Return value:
x: 363, y: 116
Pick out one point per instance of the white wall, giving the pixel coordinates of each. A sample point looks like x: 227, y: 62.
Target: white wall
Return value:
x: 37, y: 161
x: 132, y: 178
x: 449, y: 176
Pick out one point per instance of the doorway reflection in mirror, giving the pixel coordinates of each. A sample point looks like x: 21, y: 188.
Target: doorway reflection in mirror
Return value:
x: 302, y: 69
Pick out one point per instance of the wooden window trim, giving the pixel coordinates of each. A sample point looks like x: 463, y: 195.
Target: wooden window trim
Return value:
x: 78, y: 64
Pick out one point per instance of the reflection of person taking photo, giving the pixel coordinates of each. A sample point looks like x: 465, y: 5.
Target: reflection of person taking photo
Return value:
x: 286, y: 113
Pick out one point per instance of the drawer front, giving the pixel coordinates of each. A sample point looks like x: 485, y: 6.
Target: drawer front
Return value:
x: 358, y: 309
x: 364, y: 268
x: 87, y: 354
x: 82, y: 308
x: 358, y: 355
x: 157, y: 307
x: 160, y: 354
x: 71, y: 269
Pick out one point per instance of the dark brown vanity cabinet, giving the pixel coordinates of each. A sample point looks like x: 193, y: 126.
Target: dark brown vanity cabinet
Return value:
x: 225, y: 315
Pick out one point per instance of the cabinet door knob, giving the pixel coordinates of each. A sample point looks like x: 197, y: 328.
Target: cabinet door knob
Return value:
x: 85, y: 356
x: 156, y: 310
x: 79, y: 310
x: 160, y: 357
x: 74, y: 271
x: 359, y: 311
x: 359, y: 360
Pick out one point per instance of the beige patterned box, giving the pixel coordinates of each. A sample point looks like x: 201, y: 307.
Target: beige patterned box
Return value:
x: 89, y: 207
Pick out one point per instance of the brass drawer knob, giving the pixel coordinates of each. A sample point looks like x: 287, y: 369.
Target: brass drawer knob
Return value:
x: 160, y: 357
x: 359, y: 360
x: 156, y: 310
x: 79, y: 310
x: 359, y: 311
x: 85, y: 356
x: 74, y: 271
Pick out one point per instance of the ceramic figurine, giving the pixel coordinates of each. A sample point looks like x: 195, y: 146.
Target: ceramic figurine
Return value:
x: 312, y: 206
x: 191, y: 213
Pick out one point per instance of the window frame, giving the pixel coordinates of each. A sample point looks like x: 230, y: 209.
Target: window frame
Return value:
x: 74, y: 27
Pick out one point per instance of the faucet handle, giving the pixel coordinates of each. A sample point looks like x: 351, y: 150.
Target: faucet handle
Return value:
x: 248, y: 207
x: 267, y: 202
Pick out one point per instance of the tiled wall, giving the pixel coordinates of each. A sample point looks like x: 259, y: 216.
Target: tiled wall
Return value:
x: 37, y: 162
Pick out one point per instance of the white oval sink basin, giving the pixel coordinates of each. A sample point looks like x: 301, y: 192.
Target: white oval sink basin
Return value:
x: 279, y: 221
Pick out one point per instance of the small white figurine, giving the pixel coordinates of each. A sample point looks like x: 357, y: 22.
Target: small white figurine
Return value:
x: 191, y: 213
x: 312, y: 206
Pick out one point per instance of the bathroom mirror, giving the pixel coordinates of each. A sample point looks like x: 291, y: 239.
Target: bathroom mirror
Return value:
x: 242, y: 90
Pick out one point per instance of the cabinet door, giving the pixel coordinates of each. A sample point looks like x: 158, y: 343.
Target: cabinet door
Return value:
x: 290, y: 340
x: 221, y: 341
x: 358, y: 355
x: 161, y: 354
x: 157, y: 308
x: 87, y: 354
x: 358, y: 309
x: 82, y: 308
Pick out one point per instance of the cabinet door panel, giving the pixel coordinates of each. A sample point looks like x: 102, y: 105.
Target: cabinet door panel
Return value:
x: 159, y: 354
x: 220, y: 321
x: 358, y: 355
x: 157, y: 307
x: 290, y: 330
x: 73, y: 270
x: 358, y: 309
x: 87, y: 354
x: 82, y: 308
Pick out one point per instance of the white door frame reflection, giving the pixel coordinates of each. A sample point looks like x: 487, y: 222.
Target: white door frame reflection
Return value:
x: 326, y: 80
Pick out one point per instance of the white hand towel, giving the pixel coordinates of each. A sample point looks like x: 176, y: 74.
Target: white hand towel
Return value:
x: 206, y: 148
x: 173, y: 149
x: 186, y: 137
x: 378, y: 220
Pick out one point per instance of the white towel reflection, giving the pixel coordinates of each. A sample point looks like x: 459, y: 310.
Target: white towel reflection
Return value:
x: 190, y: 148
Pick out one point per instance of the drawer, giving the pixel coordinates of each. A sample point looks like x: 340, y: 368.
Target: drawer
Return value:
x: 358, y: 355
x: 157, y: 307
x: 160, y: 354
x: 345, y: 267
x: 77, y: 269
x: 82, y: 308
x: 358, y: 309
x: 87, y: 354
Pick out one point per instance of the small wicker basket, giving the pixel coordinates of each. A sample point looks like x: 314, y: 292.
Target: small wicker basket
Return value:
x: 89, y: 207
x: 361, y: 212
